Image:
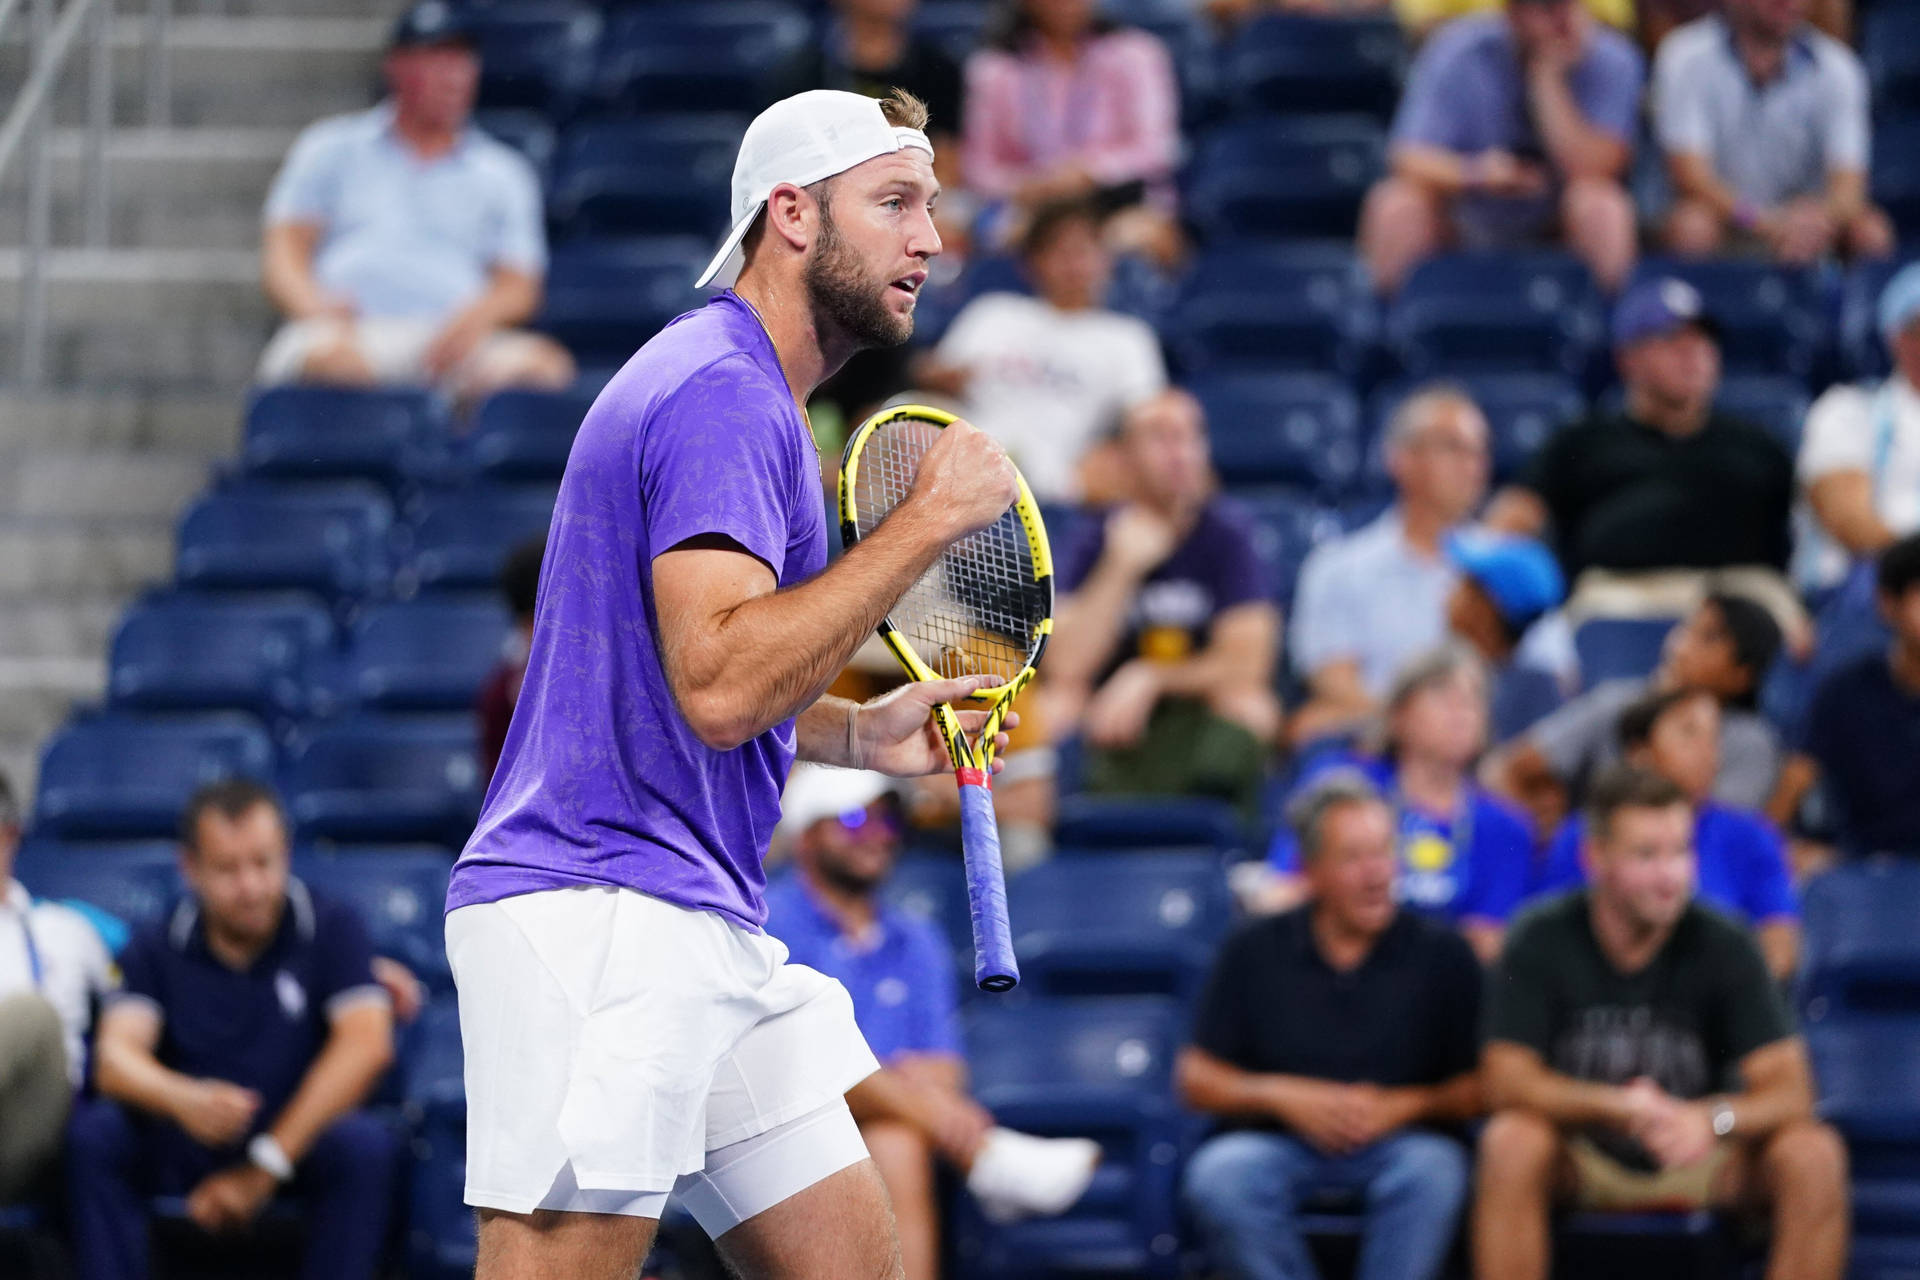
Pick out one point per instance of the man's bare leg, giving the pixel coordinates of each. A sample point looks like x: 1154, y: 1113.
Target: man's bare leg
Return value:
x: 905, y: 1160
x: 1803, y: 1170
x: 546, y: 1245
x: 1520, y: 1156
x: 840, y: 1228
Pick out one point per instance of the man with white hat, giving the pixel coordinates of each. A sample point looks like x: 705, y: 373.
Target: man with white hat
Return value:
x: 630, y: 1029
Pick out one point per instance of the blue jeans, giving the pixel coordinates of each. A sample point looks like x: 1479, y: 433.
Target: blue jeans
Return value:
x: 116, y: 1159
x: 1245, y: 1190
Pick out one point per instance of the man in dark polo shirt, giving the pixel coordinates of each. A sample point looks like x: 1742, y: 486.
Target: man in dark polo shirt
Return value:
x: 248, y: 1032
x: 1667, y: 483
x: 1638, y: 1057
x: 1329, y: 1038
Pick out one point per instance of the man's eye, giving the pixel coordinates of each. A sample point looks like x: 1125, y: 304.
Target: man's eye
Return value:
x: 895, y: 203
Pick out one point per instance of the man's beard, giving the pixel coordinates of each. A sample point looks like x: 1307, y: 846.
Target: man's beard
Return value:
x: 845, y: 878
x: 843, y: 296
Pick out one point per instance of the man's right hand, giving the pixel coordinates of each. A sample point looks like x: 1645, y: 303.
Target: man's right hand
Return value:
x: 1138, y: 540
x: 1501, y: 173
x: 1331, y: 1117
x: 215, y: 1113
x: 965, y: 481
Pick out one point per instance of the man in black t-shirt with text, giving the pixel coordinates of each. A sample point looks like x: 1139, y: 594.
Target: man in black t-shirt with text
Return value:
x: 1638, y: 1057
x: 1329, y: 1041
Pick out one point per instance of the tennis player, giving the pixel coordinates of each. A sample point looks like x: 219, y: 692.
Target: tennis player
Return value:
x: 630, y: 1031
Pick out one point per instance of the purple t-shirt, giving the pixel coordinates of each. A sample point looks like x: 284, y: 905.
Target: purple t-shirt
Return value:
x: 602, y: 781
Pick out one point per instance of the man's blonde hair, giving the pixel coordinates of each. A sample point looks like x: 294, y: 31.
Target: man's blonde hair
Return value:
x: 903, y: 110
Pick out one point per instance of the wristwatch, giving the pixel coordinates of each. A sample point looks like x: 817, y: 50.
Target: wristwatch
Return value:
x: 1722, y: 1118
x: 265, y: 1153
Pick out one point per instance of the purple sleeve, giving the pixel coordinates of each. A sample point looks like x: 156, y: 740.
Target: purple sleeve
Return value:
x: 1607, y: 85
x: 1501, y: 851
x: 1560, y: 869
x: 1766, y: 886
x: 719, y: 456
x: 1429, y: 112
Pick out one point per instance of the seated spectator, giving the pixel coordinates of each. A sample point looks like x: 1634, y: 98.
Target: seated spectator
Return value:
x: 1639, y: 504
x: 53, y: 964
x: 1463, y: 855
x: 1420, y: 18
x: 403, y: 244
x: 1618, y: 1016
x: 520, y: 585
x: 1724, y: 646
x: 1740, y: 860
x: 1764, y: 124
x: 1514, y: 130
x: 1048, y: 375
x: 845, y: 834
x: 1861, y: 741
x: 1370, y: 601
x: 1860, y: 457
x: 1163, y: 654
x: 249, y: 1031
x: 1659, y: 18
x: 1063, y: 104
x: 1506, y: 585
x: 1330, y: 1044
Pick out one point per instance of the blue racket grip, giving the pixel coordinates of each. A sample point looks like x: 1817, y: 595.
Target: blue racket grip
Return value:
x: 993, y: 966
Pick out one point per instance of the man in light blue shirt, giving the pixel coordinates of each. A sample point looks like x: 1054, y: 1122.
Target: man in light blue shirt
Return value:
x: 402, y: 244
x: 1764, y: 122
x: 1513, y: 130
x: 1369, y: 602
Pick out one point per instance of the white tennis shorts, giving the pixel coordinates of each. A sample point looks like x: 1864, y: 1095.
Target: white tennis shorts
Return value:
x: 619, y: 1048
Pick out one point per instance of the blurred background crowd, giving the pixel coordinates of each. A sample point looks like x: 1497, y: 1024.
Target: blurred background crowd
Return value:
x: 1481, y: 450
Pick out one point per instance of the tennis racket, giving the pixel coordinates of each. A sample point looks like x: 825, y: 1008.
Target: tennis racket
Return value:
x: 984, y: 608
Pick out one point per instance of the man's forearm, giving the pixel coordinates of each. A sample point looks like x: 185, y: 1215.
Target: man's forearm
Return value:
x: 1452, y: 1100
x: 1561, y: 1099
x: 510, y: 298
x: 1440, y: 171
x: 139, y: 1080
x: 338, y: 1081
x: 1576, y: 148
x: 823, y: 733
x: 1090, y: 624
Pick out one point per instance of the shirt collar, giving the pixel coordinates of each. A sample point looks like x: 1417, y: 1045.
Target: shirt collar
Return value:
x: 384, y: 116
x: 1800, y: 55
x: 830, y: 924
x: 186, y: 930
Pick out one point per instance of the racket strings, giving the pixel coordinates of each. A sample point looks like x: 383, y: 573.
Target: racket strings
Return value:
x: 975, y: 612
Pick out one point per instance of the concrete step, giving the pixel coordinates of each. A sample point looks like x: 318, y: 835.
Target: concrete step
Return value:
x: 236, y: 71
x: 66, y: 627
x: 106, y: 484
x: 20, y: 765
x: 188, y: 422
x: 166, y: 188
x: 37, y: 693
x: 387, y: 10
x: 143, y: 317
x: 63, y: 557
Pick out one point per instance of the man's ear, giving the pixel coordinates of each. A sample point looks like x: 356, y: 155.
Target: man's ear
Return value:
x: 791, y: 214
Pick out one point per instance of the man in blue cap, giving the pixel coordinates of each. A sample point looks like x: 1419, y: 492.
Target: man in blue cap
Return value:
x: 1506, y: 585
x: 402, y: 244
x: 1860, y: 457
x: 1640, y: 504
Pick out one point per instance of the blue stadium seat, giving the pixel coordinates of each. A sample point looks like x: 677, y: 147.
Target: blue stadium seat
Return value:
x: 1288, y: 525
x: 955, y: 25
x: 664, y: 175
x: 1098, y: 1068
x: 1862, y: 952
x: 1297, y: 428
x: 933, y: 885
x: 1619, y: 648
x: 461, y: 539
x: 1769, y: 316
x: 526, y: 435
x: 1868, y: 1071
x: 536, y: 54
x: 709, y: 56
x: 325, y: 433
x: 1522, y: 411
x: 1890, y: 45
x: 527, y: 132
x: 401, y: 897
x: 604, y: 299
x: 1896, y: 167
x: 182, y: 653
x: 440, y: 1236
x: 1300, y: 64
x: 425, y: 655
x: 1106, y: 822
x: 386, y: 781
x: 1278, y: 178
x: 1248, y: 308
x: 1777, y: 404
x: 333, y: 539
x: 1863, y: 352
x: 120, y: 778
x: 132, y: 882
x: 1124, y: 924
x: 1469, y: 313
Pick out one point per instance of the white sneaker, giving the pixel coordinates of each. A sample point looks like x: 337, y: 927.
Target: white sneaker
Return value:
x: 1017, y: 1175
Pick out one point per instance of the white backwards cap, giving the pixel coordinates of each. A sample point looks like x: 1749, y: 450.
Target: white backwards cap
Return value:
x: 801, y: 140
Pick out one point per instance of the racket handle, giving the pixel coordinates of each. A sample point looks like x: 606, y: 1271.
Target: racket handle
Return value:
x: 993, y: 967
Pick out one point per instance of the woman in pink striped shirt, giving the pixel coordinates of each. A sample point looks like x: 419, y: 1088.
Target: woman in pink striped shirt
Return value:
x: 1062, y: 103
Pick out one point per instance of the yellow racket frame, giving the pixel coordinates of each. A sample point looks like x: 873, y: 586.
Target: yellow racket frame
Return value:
x: 999, y: 698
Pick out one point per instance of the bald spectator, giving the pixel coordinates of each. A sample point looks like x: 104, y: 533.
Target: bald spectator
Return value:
x: 1515, y: 129
x: 1369, y: 602
x: 1166, y: 637
x: 1764, y: 124
x: 403, y: 244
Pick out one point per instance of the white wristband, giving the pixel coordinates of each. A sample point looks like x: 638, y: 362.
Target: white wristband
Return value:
x: 267, y: 1154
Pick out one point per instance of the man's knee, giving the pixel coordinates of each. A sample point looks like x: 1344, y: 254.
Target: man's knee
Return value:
x: 1693, y: 229
x: 1805, y: 1164
x: 1870, y: 234
x: 1596, y: 206
x: 358, y: 1146
x: 1519, y: 1147
x: 1427, y: 1167
x: 1227, y: 1171
x: 1397, y: 205
x: 100, y: 1136
x: 1252, y: 707
x: 337, y: 360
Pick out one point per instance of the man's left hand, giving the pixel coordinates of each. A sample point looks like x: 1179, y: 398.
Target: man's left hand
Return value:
x: 1118, y: 713
x: 231, y: 1199
x: 895, y: 732
x: 454, y: 343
